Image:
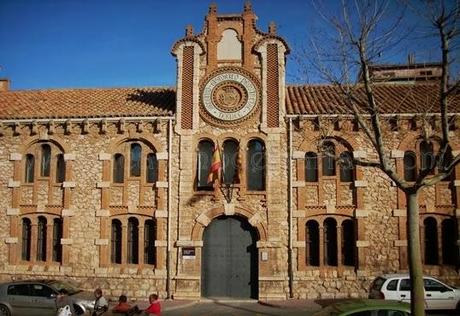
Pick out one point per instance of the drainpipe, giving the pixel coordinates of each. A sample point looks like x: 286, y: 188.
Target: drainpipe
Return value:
x: 168, y: 224
x: 290, y: 263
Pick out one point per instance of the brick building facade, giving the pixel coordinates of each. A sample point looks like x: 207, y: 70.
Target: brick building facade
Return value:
x: 109, y: 187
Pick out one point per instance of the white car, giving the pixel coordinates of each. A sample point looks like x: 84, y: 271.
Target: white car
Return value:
x: 438, y: 295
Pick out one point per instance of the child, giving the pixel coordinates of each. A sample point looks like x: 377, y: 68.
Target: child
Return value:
x: 155, y: 307
x: 100, y: 305
x: 123, y: 306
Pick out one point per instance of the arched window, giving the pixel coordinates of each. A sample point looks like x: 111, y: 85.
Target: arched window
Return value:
x: 152, y: 168
x: 41, y: 240
x: 330, y: 242
x: 348, y: 243
x: 46, y: 161
x: 346, y: 167
x: 133, y: 240
x: 449, y: 242
x: 57, y: 235
x: 311, y: 167
x: 410, y: 166
x: 205, y: 149
x: 431, y: 241
x: 328, y: 159
x: 426, y: 155
x: 136, y: 155
x: 29, y: 168
x: 312, y: 237
x: 230, y: 168
x: 255, y: 165
x: 26, y: 239
x: 149, y: 242
x: 118, y: 168
x: 60, y: 168
x: 116, y: 241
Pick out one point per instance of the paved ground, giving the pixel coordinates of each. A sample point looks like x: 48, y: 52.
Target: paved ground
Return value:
x: 218, y: 307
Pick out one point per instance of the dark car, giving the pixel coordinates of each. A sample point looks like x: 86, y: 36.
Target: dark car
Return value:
x: 38, y: 298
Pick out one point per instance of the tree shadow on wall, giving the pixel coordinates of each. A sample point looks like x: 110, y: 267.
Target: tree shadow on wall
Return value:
x: 161, y: 98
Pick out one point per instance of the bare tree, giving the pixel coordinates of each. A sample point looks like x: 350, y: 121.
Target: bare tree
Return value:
x: 363, y: 31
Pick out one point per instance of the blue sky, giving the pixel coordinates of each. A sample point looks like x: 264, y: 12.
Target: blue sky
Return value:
x: 118, y: 43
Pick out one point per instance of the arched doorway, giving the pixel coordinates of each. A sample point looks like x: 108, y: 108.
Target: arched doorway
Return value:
x: 229, y: 266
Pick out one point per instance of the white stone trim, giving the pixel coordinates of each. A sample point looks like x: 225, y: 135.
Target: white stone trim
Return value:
x: 395, y: 154
x: 11, y: 240
x: 229, y: 209
x: 298, y: 155
x: 268, y: 244
x: 357, y: 154
x: 400, y: 243
x: 361, y: 213
x: 67, y: 212
x: 103, y: 184
x: 69, y: 184
x: 298, y: 184
x: 132, y: 209
x: 189, y: 243
x: 203, y: 219
x: 12, y: 211
x: 362, y: 243
x: 102, y: 213
x: 298, y: 244
x: 298, y: 214
x: 161, y: 243
x: 101, y: 242
x: 104, y: 156
x: 161, y: 184
x: 160, y: 214
x: 360, y: 183
x: 13, y: 184
x: 255, y: 219
x: 399, y: 212
x: 15, y: 157
x: 69, y: 157
x: 162, y: 155
x: 66, y: 241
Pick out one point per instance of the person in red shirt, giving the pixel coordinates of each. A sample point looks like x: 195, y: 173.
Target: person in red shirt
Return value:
x: 123, y: 306
x: 155, y: 307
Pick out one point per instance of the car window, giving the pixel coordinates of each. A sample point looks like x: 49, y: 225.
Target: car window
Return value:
x: 434, y: 286
x: 392, y: 285
x: 404, y: 285
x: 42, y: 290
x: 18, y: 289
x: 377, y: 284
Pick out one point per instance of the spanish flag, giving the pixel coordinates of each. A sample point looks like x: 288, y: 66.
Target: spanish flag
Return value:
x: 216, y: 165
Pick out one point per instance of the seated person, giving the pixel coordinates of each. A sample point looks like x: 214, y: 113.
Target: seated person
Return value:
x: 100, y: 304
x: 123, y: 306
x: 155, y: 306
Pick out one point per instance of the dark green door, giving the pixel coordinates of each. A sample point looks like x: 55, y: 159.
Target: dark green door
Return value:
x: 229, y: 261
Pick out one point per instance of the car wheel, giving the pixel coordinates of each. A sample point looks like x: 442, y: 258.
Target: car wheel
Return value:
x: 4, y: 311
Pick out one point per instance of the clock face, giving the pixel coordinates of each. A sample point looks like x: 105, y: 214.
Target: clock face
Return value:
x: 229, y: 96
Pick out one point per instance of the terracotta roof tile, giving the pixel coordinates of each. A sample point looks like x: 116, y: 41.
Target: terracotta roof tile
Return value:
x: 392, y: 98
x: 72, y: 103
x: 126, y: 102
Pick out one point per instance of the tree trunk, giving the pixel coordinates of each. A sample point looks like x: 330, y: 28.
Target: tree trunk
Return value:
x: 415, y: 258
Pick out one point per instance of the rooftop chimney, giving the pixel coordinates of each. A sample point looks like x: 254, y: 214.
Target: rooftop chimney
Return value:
x: 4, y: 84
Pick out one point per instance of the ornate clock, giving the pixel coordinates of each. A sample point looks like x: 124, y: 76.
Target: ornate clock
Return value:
x: 229, y: 96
